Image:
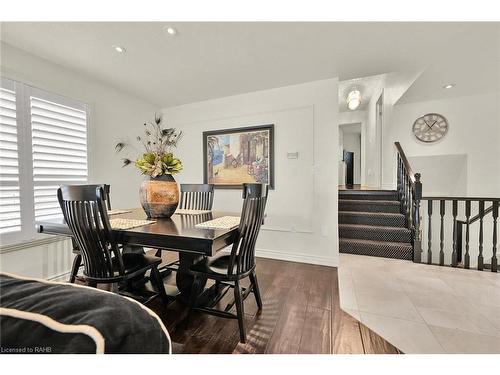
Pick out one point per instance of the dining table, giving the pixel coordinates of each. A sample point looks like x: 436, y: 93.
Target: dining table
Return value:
x: 179, y: 233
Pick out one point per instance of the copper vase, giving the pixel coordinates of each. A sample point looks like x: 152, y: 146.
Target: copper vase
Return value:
x: 159, y: 196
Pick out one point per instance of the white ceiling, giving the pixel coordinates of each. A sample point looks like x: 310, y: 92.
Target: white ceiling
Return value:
x: 472, y: 64
x: 367, y: 86
x: 208, y: 60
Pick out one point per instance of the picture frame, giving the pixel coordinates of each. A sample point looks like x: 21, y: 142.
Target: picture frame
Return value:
x: 235, y: 156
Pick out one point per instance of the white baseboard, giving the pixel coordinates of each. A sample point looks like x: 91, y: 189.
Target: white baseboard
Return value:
x: 297, y: 257
x: 61, y: 277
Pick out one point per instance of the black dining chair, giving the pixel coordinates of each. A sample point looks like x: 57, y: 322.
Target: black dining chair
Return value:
x: 197, y: 197
x: 193, y: 197
x: 84, y: 211
x: 77, y: 260
x: 229, y: 269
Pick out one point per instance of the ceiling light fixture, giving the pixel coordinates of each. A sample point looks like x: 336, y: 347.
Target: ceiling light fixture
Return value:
x: 170, y: 30
x: 353, y: 100
x: 119, y: 49
x: 449, y: 86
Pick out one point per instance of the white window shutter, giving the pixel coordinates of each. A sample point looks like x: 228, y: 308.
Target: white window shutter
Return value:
x: 10, y: 205
x: 59, y: 145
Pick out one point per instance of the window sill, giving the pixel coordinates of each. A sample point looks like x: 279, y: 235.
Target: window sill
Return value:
x: 31, y: 243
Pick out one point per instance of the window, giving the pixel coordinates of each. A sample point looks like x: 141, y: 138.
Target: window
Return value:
x: 10, y: 207
x: 43, y: 145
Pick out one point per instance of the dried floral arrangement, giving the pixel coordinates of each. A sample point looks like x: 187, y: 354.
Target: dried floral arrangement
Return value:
x: 159, y: 143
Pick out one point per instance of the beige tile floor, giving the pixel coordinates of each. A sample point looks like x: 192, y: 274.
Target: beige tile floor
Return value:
x: 421, y: 308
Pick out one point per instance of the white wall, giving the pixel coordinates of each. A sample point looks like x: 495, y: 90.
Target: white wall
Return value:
x: 373, y: 134
x: 115, y: 115
x: 474, y: 132
x: 302, y: 209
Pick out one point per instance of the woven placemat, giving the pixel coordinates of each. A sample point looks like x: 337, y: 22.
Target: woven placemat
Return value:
x: 224, y: 222
x: 117, y: 212
x: 182, y: 211
x: 122, y: 224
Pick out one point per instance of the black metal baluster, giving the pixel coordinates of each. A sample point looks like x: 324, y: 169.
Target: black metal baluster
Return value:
x: 442, y: 207
x: 494, y: 263
x: 399, y: 176
x: 408, y: 201
x: 455, y: 233
x: 403, y: 201
x: 480, y: 259
x: 417, y: 241
x: 460, y: 232
x: 467, y: 236
x: 429, y: 234
x: 410, y: 207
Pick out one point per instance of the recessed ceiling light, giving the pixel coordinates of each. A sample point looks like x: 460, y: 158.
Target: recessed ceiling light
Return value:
x: 170, y: 30
x: 449, y: 86
x: 119, y: 49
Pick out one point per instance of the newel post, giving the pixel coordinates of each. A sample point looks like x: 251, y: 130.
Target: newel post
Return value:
x: 417, y: 233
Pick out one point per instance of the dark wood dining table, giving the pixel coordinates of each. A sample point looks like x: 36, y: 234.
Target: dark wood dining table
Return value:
x: 178, y: 233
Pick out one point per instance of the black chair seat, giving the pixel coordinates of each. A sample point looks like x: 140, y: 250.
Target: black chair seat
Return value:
x: 217, y: 267
x: 133, y: 262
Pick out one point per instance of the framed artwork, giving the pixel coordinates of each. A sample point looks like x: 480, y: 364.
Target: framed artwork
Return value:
x: 241, y: 155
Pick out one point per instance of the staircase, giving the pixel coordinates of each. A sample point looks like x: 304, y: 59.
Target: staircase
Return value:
x: 370, y: 223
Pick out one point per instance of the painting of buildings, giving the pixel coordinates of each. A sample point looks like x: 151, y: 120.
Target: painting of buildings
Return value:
x: 237, y: 156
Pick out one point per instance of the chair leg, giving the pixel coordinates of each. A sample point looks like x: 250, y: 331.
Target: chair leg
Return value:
x: 157, y: 281
x: 240, y: 311
x: 92, y: 284
x: 256, y: 291
x: 77, y: 262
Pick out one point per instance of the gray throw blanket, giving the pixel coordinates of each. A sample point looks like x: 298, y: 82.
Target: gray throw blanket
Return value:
x: 38, y: 316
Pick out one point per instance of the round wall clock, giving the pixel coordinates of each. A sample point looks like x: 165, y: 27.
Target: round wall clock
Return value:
x: 430, y: 127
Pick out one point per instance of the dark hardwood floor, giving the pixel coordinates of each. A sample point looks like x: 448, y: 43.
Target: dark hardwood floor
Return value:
x: 301, y: 314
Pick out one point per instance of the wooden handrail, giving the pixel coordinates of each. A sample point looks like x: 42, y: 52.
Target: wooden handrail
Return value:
x: 409, y: 171
x: 478, y: 216
x: 472, y: 199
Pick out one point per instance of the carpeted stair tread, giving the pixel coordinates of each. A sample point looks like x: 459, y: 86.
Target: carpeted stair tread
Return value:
x: 372, y: 218
x: 367, y: 201
x: 375, y: 233
x: 370, y: 213
x: 368, y: 195
x: 369, y: 205
x: 395, y: 250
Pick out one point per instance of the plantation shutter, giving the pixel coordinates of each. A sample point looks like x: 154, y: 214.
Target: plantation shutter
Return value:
x: 10, y: 205
x: 59, y: 145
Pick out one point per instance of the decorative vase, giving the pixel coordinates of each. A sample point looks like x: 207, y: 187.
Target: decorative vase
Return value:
x: 159, y: 196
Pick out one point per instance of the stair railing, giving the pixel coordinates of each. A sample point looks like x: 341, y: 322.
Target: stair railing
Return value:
x: 409, y: 188
x: 460, y: 236
x: 458, y: 226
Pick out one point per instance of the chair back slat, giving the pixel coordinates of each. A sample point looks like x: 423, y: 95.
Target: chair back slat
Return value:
x: 197, y: 196
x: 252, y: 216
x: 107, y: 189
x: 85, y: 212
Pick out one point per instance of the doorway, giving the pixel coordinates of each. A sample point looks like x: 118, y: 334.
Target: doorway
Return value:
x: 350, y: 144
